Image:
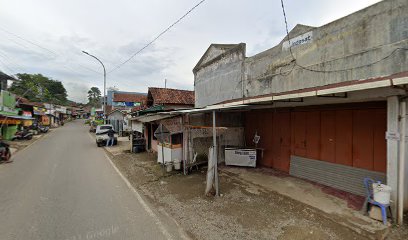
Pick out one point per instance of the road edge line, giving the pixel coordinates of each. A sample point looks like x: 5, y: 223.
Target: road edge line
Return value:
x: 31, y: 144
x: 141, y: 201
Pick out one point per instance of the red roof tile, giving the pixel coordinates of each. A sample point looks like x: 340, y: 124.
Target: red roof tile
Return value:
x: 138, y: 108
x: 171, y: 96
x: 129, y: 97
x: 108, y: 108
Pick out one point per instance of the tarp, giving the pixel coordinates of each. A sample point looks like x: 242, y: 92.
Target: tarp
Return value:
x: 137, y: 126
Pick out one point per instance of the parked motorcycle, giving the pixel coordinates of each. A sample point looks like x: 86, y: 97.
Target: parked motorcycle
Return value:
x: 43, y: 129
x: 5, y: 153
x: 22, y: 135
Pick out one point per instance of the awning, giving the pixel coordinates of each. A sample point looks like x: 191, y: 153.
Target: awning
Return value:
x: 210, y: 109
x: 156, y: 108
x: 11, y: 115
x: 152, y: 117
x: 349, y: 86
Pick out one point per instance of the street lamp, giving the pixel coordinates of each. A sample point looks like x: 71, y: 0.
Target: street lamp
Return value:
x: 104, y: 83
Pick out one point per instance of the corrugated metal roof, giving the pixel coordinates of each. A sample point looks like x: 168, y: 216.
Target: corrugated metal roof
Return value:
x: 152, y: 117
x: 209, y: 109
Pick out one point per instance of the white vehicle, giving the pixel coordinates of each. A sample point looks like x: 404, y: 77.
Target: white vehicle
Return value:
x: 102, y: 135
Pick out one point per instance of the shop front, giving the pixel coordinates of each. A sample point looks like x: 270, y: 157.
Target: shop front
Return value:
x: 9, y: 126
x: 40, y: 114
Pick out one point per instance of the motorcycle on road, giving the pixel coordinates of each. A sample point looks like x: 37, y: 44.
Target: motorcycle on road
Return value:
x: 22, y: 135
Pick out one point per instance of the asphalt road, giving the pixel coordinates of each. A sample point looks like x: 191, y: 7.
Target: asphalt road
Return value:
x: 64, y: 187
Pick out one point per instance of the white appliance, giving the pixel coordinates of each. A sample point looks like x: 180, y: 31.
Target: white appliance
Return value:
x: 245, y: 157
x: 170, y: 154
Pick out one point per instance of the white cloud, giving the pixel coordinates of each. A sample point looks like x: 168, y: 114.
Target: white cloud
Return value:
x: 114, y: 30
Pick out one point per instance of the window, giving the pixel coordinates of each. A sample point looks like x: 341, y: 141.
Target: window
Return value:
x: 177, y: 138
x: 154, y: 127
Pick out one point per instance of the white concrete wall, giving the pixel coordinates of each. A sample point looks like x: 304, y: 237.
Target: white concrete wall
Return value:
x: 392, y: 149
x: 116, y: 116
x: 221, y: 80
x: 355, y: 42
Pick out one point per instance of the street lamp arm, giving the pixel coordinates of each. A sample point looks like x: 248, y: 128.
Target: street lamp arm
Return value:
x: 104, y: 70
x: 104, y: 82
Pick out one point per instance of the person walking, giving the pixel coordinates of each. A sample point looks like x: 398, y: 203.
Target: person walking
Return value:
x: 111, y: 135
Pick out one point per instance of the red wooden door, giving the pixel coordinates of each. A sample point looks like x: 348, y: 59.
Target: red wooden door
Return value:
x: 276, y: 140
x: 344, y: 137
x: 281, y: 141
x: 380, y: 145
x: 260, y: 122
x: 327, y: 136
x: 313, y: 135
x: 363, y: 136
x: 265, y: 131
x: 299, y: 133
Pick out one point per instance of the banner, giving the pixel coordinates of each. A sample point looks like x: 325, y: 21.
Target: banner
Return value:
x: 39, y: 111
x: 10, y: 121
x: 27, y: 114
x: 45, y: 120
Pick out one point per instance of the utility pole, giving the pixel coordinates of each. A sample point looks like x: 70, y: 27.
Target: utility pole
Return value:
x: 165, y: 83
x: 104, y: 84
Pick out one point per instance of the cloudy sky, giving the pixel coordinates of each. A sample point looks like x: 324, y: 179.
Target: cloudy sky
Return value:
x: 47, y: 36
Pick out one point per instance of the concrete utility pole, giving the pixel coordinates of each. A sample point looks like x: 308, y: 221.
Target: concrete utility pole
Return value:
x: 104, y: 84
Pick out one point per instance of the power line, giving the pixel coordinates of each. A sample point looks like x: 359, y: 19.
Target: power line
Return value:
x: 55, y: 54
x: 157, y: 37
x: 8, y: 67
x: 68, y: 67
x: 294, y: 60
x: 11, y: 60
x: 26, y: 40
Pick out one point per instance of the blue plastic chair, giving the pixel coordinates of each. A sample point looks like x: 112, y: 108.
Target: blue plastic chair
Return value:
x: 368, y: 183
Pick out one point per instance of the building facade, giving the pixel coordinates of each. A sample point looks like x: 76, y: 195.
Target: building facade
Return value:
x: 327, y: 102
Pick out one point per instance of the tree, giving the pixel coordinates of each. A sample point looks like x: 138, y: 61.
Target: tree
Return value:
x: 94, y: 97
x: 39, y: 88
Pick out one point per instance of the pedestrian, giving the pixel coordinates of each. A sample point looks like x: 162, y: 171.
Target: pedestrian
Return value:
x: 111, y: 139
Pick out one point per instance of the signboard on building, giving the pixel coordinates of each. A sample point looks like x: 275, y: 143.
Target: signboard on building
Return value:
x: 61, y: 109
x: 27, y: 114
x: 299, y: 40
x: 45, y: 120
x: 11, y: 121
x: 8, y: 99
x: 39, y: 111
x: 126, y: 104
x: 8, y: 102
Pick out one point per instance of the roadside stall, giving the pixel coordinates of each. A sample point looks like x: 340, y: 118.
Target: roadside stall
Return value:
x: 39, y: 113
x: 170, y: 149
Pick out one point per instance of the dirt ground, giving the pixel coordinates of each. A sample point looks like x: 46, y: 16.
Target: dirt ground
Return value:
x: 18, y: 145
x: 242, y: 212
